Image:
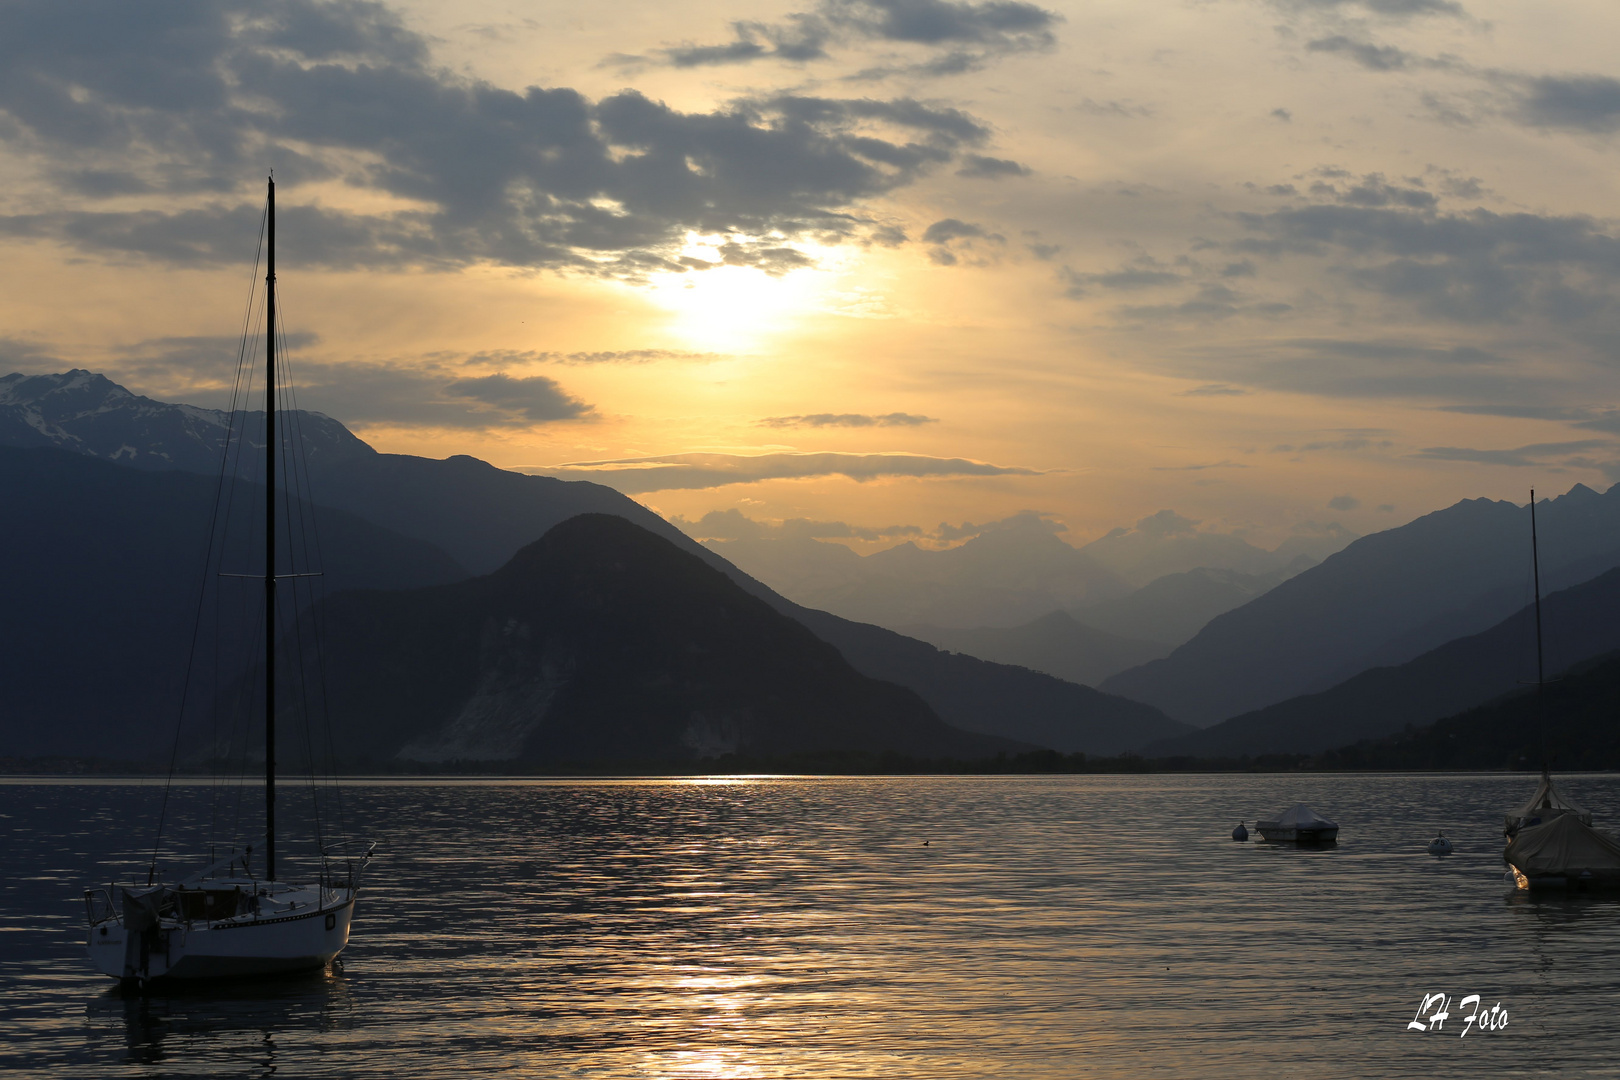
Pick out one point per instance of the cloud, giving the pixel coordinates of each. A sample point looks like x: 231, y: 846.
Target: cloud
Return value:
x: 187, y: 99
x: 536, y: 398
x: 1368, y: 55
x: 1033, y: 520
x: 1470, y: 267
x: 1589, y: 418
x: 734, y: 525
x: 1539, y: 455
x: 1343, y: 502
x: 1199, y: 467
x: 1392, y: 9
x: 978, y: 167
x: 854, y: 420
x: 701, y: 470
x: 1213, y: 390
x: 1588, y: 103
x: 1144, y: 272
x: 948, y: 229
x: 367, y: 394
x: 963, y: 36
x: 1368, y: 368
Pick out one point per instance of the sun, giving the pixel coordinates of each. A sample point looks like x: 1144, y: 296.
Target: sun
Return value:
x: 729, y: 309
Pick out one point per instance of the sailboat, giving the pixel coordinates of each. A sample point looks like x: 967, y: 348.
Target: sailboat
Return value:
x: 236, y: 917
x: 1551, y: 843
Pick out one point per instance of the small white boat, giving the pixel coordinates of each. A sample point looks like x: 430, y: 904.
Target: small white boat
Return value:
x: 1299, y: 824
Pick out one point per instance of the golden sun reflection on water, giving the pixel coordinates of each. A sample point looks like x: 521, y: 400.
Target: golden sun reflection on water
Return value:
x: 1053, y: 927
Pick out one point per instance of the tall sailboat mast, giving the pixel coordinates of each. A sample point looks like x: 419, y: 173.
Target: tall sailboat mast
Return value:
x: 270, y: 543
x: 1535, y: 570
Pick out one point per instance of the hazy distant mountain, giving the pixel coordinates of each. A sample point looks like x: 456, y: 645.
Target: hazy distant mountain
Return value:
x: 482, y: 516
x: 1167, y: 543
x: 1570, y: 727
x: 1383, y: 600
x: 1006, y: 577
x: 92, y: 415
x: 999, y: 578
x: 1579, y: 623
x: 97, y: 604
x: 604, y: 643
x: 1054, y: 643
x: 1173, y: 608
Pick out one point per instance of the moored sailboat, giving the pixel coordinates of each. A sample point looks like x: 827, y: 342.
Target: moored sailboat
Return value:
x: 234, y: 918
x: 1551, y: 843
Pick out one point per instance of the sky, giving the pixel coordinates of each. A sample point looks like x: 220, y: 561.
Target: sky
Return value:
x: 868, y: 270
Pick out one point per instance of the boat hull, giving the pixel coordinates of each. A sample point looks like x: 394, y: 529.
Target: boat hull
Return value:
x: 1584, y: 880
x: 224, y: 950
x: 1278, y: 835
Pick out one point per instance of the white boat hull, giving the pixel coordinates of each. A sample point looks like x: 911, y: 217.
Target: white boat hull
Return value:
x: 273, y: 944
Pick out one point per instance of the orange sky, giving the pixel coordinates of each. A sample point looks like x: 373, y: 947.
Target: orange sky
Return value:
x: 1239, y: 259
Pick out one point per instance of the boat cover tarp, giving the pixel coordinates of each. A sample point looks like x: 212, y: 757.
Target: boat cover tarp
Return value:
x: 1300, y: 816
x: 1564, y: 845
x: 1548, y: 797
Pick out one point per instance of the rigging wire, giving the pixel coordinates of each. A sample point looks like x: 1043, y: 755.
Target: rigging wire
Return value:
x: 237, y: 420
x: 293, y: 496
x: 202, y: 592
x: 317, y: 590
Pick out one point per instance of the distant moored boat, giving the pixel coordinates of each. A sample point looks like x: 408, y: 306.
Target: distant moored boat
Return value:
x: 1299, y: 824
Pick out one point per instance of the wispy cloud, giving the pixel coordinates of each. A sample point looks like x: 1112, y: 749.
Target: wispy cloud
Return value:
x: 851, y: 420
x: 955, y: 37
x: 669, y: 472
x: 1535, y: 455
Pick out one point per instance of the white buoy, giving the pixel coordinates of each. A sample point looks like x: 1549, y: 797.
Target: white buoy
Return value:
x: 1440, y: 845
x: 1240, y: 834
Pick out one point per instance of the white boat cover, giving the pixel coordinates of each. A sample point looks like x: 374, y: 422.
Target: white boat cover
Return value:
x: 1564, y: 845
x: 1300, y: 816
x: 1548, y: 797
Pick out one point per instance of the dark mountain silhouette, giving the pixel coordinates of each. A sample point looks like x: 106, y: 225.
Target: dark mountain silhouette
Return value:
x: 996, y: 699
x: 1571, y: 726
x: 1384, y: 599
x: 1173, y: 608
x: 601, y: 642
x: 1579, y: 622
x: 482, y: 516
x: 1055, y: 643
x: 103, y: 566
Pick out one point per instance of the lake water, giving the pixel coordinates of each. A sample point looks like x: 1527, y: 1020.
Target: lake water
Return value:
x: 1042, y: 927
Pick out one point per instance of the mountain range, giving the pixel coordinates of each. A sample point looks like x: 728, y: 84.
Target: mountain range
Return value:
x: 1383, y: 600
x: 104, y: 569
x: 1161, y: 581
x: 1579, y: 623
x: 1569, y: 726
x: 1056, y: 643
x: 602, y: 643
x: 470, y: 515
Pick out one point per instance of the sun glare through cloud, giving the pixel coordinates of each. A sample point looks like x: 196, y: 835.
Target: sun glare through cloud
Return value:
x: 730, y: 308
